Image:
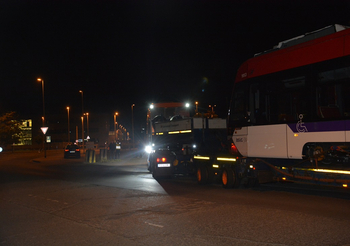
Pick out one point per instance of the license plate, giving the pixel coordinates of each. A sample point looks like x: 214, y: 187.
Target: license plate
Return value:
x: 72, y: 151
x: 163, y: 164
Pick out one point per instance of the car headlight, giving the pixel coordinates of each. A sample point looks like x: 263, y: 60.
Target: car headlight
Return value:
x: 149, y: 149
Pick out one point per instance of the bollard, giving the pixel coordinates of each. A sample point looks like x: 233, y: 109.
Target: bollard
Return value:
x: 87, y: 153
x: 93, y: 156
x: 103, y: 154
x: 90, y: 156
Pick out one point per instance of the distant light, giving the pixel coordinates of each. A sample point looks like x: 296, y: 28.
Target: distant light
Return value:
x: 151, y: 106
x: 0, y: 149
x: 187, y: 105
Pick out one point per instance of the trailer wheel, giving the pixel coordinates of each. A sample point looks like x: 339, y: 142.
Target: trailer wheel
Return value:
x: 228, y: 178
x: 202, y: 175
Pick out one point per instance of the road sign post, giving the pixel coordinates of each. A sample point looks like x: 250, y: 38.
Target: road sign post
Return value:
x: 44, y: 130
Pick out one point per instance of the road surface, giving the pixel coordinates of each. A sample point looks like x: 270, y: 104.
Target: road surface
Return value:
x: 56, y: 201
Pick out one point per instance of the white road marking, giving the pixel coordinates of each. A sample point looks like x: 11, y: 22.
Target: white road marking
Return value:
x: 154, y: 225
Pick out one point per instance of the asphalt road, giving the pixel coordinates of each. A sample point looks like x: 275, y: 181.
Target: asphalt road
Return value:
x: 55, y: 201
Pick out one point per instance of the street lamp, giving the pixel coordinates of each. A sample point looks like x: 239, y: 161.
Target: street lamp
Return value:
x: 43, y: 118
x: 43, y: 93
x: 82, y: 102
x: 87, y: 125
x: 132, y: 123
x: 68, y: 126
x: 82, y: 131
x: 82, y: 117
x: 115, y: 125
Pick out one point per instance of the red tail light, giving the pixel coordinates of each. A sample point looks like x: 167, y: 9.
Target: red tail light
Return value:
x: 233, y: 149
x: 163, y: 159
x: 66, y: 150
x: 77, y: 150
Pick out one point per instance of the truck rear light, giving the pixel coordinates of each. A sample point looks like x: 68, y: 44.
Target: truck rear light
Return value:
x: 233, y: 149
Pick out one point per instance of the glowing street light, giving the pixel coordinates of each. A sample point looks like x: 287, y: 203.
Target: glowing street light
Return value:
x: 87, y: 125
x: 82, y: 116
x: 43, y: 94
x: 43, y: 118
x: 115, y: 124
x: 68, y: 125
x: 82, y: 131
x: 82, y: 102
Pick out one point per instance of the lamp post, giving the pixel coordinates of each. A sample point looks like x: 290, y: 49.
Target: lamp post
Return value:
x: 68, y: 126
x: 82, y: 116
x: 82, y: 131
x: 87, y: 125
x: 115, y: 125
x: 82, y: 102
x: 43, y: 118
x: 43, y: 93
x: 132, y: 124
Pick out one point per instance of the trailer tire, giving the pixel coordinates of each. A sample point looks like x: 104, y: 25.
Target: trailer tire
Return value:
x: 228, y: 178
x: 202, y: 175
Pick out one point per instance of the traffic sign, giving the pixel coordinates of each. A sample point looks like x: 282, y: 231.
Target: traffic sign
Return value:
x: 44, y: 129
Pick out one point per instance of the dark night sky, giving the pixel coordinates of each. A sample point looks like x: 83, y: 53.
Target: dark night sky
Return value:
x: 125, y: 52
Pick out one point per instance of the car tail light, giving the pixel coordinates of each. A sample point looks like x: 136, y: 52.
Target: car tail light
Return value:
x: 66, y: 150
x: 77, y: 149
x: 163, y: 159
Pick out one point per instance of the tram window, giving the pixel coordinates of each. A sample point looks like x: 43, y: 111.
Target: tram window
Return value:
x: 300, y: 104
x: 346, y: 100
x: 334, y: 75
x: 240, y: 105
x: 328, y: 107
x: 258, y: 108
x: 286, y: 99
x: 332, y: 93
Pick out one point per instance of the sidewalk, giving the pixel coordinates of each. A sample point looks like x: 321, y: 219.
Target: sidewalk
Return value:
x: 129, y: 157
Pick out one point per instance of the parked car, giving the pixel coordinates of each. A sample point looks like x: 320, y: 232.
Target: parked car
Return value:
x: 72, y: 150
